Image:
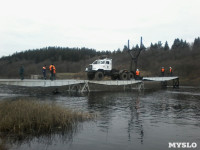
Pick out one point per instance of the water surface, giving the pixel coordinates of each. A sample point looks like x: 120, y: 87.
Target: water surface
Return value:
x: 125, y: 120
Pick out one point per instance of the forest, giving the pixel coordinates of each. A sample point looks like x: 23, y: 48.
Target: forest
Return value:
x: 182, y: 56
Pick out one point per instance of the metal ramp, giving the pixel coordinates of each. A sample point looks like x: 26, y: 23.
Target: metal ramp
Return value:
x: 116, y: 82
x: 159, y: 79
x: 47, y: 83
x: 73, y: 85
x: 39, y: 83
x: 164, y: 80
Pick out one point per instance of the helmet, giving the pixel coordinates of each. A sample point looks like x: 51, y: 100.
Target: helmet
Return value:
x: 137, y: 69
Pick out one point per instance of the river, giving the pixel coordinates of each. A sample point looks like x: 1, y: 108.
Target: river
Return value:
x: 145, y: 120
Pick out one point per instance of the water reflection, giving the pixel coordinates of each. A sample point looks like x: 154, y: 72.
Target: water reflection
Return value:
x: 111, y: 105
x: 135, y: 120
x: 32, y: 141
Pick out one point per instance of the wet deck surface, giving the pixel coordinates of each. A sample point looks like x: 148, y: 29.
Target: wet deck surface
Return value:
x: 159, y: 79
x: 48, y: 83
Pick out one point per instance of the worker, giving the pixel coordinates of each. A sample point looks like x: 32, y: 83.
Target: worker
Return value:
x: 21, y: 72
x: 137, y: 74
x: 162, y: 71
x: 51, y: 71
x: 54, y: 72
x: 44, y: 72
x: 170, y: 71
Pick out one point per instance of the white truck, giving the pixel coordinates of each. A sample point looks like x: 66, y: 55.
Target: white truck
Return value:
x: 103, y: 67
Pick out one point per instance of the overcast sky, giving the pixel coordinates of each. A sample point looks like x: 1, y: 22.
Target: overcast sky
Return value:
x: 98, y: 24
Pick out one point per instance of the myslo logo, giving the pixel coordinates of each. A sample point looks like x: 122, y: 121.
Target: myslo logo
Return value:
x: 182, y: 145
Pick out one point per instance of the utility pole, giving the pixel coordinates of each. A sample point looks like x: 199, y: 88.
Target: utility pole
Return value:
x: 134, y: 53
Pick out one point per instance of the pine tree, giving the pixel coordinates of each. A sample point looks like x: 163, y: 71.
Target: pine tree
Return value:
x: 196, y: 44
x: 166, y: 47
x: 180, y: 44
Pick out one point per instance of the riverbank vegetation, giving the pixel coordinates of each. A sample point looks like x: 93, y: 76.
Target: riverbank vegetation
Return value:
x: 30, y: 117
x: 3, y: 145
x: 182, y: 56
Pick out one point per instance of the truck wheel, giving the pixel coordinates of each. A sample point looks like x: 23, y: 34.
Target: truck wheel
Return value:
x: 130, y: 76
x: 124, y: 76
x: 99, y: 75
x: 90, y: 76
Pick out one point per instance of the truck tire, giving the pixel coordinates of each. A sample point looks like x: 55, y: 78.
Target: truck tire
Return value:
x: 90, y: 76
x: 130, y: 75
x: 123, y: 76
x: 99, y: 75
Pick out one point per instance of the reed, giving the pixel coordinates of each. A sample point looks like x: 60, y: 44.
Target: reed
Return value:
x: 21, y: 117
x: 3, y: 145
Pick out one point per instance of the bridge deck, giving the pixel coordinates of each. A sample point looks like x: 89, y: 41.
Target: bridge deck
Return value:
x: 159, y: 79
x: 48, y: 83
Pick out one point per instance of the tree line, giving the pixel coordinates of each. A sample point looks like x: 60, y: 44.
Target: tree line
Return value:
x: 181, y: 56
x: 54, y: 54
x: 177, y: 44
x: 77, y: 54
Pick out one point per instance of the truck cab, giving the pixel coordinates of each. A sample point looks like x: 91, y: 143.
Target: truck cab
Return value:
x: 101, y: 65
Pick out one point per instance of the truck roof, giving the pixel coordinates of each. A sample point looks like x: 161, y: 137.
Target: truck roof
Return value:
x: 105, y: 59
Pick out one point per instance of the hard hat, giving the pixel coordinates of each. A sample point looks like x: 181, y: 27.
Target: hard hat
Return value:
x: 137, y: 69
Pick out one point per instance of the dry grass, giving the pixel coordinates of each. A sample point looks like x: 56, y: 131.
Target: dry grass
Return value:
x: 32, y: 117
x: 3, y: 145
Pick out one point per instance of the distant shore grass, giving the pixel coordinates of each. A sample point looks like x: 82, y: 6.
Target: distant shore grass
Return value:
x: 22, y: 117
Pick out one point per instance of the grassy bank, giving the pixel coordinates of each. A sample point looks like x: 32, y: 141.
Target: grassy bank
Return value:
x: 22, y: 117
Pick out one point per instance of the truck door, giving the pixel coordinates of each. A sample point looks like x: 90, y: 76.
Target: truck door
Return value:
x: 108, y: 65
x: 103, y: 65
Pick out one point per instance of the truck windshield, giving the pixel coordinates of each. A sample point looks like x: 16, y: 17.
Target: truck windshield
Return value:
x: 96, y: 62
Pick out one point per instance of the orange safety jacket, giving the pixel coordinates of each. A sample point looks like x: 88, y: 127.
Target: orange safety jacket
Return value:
x: 170, y: 70
x: 162, y: 70
x: 54, y: 69
x: 50, y: 67
x: 137, y: 73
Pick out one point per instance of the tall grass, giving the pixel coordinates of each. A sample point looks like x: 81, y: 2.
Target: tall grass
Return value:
x: 3, y: 145
x: 21, y: 117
